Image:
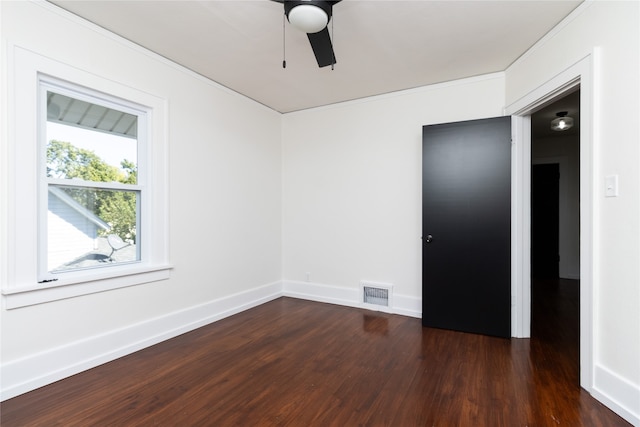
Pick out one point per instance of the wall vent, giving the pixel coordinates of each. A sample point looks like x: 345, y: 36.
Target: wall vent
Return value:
x: 376, y: 294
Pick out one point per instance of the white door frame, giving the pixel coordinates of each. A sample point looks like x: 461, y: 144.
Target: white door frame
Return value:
x: 579, y: 74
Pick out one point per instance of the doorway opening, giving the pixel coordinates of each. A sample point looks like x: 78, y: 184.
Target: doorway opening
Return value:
x: 555, y: 235
x: 579, y: 76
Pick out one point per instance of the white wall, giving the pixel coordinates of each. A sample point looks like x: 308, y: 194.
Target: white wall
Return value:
x: 334, y: 192
x: 225, y: 208
x: 609, y: 30
x: 352, y: 187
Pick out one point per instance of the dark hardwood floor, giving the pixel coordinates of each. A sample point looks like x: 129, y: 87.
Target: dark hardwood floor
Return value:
x: 298, y: 363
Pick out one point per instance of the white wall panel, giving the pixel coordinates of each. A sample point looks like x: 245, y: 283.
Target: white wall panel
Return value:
x: 352, y: 182
x: 612, y: 29
x: 224, y: 175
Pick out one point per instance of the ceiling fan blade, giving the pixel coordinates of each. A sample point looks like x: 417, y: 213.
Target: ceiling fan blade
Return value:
x: 322, y: 47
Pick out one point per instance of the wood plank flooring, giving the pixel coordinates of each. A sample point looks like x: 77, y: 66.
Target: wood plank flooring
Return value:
x: 299, y: 363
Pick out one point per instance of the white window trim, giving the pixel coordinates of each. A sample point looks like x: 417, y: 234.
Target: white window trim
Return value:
x: 50, y: 84
x: 20, y: 285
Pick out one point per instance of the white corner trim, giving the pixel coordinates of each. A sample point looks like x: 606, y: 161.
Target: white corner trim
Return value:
x: 402, y: 304
x: 23, y: 375
x: 618, y: 394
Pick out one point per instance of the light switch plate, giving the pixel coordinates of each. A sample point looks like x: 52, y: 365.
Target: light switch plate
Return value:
x: 611, y: 186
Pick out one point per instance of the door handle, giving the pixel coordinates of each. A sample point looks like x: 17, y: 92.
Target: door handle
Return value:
x: 428, y: 239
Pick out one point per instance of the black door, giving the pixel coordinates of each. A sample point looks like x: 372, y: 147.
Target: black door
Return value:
x: 466, y: 225
x: 545, y: 221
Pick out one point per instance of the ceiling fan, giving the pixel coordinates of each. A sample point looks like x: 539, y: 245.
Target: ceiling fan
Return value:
x: 312, y: 17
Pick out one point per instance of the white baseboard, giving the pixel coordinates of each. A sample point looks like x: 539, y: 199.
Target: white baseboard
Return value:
x: 320, y: 293
x: 618, y: 394
x: 23, y: 375
x: 407, y: 306
x: 350, y: 297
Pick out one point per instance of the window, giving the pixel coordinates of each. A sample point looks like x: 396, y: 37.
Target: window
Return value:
x: 86, y: 183
x: 91, y: 180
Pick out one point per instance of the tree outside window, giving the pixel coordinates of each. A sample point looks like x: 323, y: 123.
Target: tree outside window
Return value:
x: 92, y: 184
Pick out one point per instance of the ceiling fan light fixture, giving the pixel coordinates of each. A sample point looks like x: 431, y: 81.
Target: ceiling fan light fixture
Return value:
x: 308, y: 18
x: 562, y: 122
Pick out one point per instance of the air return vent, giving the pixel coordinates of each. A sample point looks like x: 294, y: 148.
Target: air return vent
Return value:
x: 376, y: 295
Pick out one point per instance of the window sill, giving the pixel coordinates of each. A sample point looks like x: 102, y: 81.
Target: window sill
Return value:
x: 23, y: 296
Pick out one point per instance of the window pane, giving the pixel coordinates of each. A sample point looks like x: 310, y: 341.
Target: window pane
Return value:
x: 90, y: 142
x: 89, y: 227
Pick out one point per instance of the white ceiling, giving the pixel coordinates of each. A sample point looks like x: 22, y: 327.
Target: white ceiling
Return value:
x: 381, y: 46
